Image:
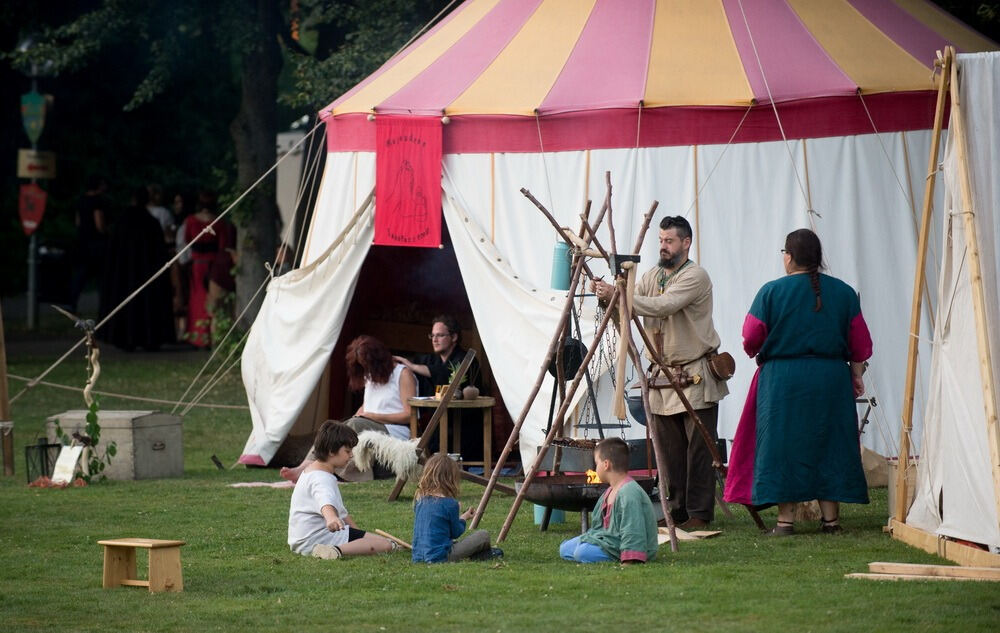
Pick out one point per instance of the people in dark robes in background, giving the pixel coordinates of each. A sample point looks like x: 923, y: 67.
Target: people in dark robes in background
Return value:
x: 92, y: 218
x: 136, y: 250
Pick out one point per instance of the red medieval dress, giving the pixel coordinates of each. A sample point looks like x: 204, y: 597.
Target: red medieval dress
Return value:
x: 204, y: 251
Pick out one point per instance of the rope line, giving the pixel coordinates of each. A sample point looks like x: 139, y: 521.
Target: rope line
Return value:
x: 708, y: 177
x: 313, y: 191
x: 545, y: 164
x: 218, y: 346
x: 267, y: 279
x: 421, y: 31
x: 122, y: 396
x: 215, y: 376
x: 165, y: 267
x: 885, y: 152
x: 781, y: 127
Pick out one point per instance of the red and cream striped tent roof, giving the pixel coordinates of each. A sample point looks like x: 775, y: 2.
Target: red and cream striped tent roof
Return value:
x: 531, y: 75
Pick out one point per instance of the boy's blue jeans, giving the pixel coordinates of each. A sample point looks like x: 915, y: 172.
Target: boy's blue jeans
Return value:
x: 576, y: 550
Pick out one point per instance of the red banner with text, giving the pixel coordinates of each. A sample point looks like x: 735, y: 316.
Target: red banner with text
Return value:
x: 408, y: 181
x: 31, y: 207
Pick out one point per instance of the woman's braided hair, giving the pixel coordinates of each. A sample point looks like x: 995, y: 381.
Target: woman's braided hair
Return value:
x: 806, y: 252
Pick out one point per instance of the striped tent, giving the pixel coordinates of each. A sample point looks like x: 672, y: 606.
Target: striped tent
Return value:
x: 749, y: 117
x: 552, y: 75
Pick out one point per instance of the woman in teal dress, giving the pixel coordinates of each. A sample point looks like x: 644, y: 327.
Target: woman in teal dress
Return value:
x: 798, y: 438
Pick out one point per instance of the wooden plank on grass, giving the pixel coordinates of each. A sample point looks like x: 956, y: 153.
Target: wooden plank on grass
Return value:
x: 934, y: 544
x: 911, y: 577
x: 983, y: 573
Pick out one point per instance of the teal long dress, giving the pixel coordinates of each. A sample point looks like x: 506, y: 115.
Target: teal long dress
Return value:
x: 806, y: 439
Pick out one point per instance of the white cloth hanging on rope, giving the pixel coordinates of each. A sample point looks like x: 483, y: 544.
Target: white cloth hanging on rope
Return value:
x: 956, y: 491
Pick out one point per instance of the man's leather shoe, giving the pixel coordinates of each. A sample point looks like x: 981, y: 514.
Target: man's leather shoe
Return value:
x: 694, y: 523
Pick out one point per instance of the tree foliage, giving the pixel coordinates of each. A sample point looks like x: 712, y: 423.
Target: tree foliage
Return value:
x: 345, y: 41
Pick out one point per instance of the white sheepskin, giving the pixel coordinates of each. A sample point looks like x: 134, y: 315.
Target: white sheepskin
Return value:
x: 399, y: 456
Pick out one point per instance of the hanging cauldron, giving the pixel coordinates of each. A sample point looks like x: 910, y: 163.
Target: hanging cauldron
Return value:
x: 577, y: 455
x: 571, y: 493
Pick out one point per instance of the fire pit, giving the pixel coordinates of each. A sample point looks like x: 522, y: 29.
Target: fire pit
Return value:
x: 572, y: 492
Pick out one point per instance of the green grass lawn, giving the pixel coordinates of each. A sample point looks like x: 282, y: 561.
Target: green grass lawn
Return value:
x: 240, y: 576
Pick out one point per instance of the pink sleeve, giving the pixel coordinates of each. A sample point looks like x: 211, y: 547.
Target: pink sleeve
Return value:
x: 754, y: 334
x: 859, y: 339
x: 633, y: 555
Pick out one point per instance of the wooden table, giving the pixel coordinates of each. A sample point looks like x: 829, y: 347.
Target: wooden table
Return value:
x: 485, y: 403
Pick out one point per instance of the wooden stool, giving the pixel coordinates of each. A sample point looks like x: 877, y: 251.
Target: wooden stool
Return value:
x: 164, y: 564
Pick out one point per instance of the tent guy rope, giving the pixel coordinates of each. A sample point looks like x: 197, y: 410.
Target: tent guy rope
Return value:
x: 122, y: 396
x: 781, y: 128
x: 207, y: 230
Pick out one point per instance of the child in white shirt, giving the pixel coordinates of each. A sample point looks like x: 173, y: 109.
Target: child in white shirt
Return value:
x: 318, y: 522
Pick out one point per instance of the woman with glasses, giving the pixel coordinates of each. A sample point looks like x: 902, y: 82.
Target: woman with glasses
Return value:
x: 797, y: 439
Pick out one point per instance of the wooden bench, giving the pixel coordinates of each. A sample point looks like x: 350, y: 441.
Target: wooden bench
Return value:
x: 164, y: 564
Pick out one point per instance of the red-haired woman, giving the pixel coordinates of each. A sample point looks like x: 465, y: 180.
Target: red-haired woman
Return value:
x: 387, y: 386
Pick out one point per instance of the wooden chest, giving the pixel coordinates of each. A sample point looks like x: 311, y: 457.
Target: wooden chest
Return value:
x: 150, y: 444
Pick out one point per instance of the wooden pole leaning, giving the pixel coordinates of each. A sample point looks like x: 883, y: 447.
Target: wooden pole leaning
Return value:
x: 529, y: 474
x: 709, y: 440
x: 578, y: 268
x: 514, y: 434
x: 903, y: 465
x: 661, y: 462
x: 442, y: 409
x: 976, y: 281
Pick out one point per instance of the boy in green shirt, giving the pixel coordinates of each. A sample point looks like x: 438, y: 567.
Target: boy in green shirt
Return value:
x: 623, y: 527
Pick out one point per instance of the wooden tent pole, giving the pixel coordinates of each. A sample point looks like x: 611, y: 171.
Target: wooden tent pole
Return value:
x: 441, y: 410
x: 661, y: 460
x: 913, y: 214
x: 976, y: 281
x: 515, y: 433
x: 529, y: 474
x: 899, y: 511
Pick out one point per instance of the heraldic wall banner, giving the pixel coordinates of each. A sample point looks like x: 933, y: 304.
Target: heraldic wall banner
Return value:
x: 407, y: 181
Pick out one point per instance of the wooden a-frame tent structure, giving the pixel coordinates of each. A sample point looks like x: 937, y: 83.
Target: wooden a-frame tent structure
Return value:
x: 956, y: 508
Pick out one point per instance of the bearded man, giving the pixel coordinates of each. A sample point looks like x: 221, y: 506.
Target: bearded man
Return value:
x: 675, y: 301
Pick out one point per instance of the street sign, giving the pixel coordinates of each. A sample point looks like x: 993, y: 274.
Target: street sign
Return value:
x: 31, y: 207
x: 33, y: 114
x: 35, y: 164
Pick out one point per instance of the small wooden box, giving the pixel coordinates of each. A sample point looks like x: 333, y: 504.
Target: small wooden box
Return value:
x: 150, y: 443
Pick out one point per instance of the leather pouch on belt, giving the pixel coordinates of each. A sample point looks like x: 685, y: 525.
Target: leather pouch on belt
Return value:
x: 722, y: 366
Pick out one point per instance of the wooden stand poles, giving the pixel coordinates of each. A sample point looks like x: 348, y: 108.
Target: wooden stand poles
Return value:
x: 442, y: 409
x: 900, y: 507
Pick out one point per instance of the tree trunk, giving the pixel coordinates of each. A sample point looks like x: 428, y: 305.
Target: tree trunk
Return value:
x: 254, y: 132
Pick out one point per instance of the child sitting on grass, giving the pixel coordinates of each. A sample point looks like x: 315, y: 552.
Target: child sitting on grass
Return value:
x: 623, y: 527
x: 437, y: 521
x: 318, y: 522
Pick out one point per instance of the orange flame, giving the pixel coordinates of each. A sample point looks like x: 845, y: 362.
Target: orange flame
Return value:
x: 592, y: 477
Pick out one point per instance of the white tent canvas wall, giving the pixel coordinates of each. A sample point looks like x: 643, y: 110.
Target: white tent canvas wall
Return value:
x: 957, y: 496
x: 751, y: 119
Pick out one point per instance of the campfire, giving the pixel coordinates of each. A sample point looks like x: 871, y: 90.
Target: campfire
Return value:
x: 592, y: 477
